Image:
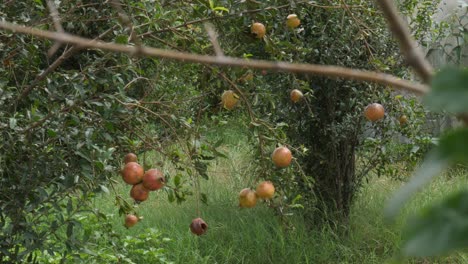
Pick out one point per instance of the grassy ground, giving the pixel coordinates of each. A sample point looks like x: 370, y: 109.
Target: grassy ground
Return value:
x: 257, y: 236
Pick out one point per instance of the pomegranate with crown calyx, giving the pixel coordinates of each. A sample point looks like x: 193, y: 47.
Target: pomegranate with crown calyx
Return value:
x: 198, y: 226
x: 153, y: 180
x: 131, y: 220
x: 258, y: 29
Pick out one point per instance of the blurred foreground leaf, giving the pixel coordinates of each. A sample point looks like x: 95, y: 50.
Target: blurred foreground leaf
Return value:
x: 440, y: 228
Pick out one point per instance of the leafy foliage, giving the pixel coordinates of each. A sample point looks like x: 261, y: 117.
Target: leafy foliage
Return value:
x: 441, y: 227
x: 65, y: 128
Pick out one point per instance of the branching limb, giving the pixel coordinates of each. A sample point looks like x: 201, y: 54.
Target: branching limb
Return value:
x: 414, y: 56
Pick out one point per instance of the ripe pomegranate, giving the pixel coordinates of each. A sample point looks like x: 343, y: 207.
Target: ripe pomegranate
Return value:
x: 296, y: 95
x: 153, y: 180
x: 281, y: 157
x: 247, y: 198
x: 130, y: 157
x: 132, y: 173
x: 198, y: 226
x: 229, y: 99
x: 403, y: 120
x: 258, y: 29
x: 131, y: 220
x: 264, y: 72
x: 292, y: 21
x: 374, y: 112
x: 139, y: 193
x: 265, y: 190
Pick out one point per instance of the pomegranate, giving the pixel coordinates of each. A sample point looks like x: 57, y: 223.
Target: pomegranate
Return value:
x: 130, y: 157
x: 374, y: 112
x: 296, y: 95
x: 139, y: 193
x: 153, y: 180
x: 132, y: 173
x: 247, y: 198
x: 131, y: 220
x: 265, y: 190
x: 258, y: 29
x: 198, y: 226
x: 403, y: 120
x: 229, y: 99
x: 281, y: 157
x: 292, y: 21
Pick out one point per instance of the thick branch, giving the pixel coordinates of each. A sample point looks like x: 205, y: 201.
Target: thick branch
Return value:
x: 330, y: 71
x: 408, y: 46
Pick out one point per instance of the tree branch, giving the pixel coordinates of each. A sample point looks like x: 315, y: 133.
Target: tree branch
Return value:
x: 414, y: 56
x: 66, y: 54
x: 322, y: 70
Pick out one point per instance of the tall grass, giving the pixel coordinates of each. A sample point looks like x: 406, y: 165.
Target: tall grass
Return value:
x: 258, y: 236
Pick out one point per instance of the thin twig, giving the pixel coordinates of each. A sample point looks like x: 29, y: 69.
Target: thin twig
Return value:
x: 58, y: 26
x: 323, y: 70
x: 125, y: 20
x: 214, y: 39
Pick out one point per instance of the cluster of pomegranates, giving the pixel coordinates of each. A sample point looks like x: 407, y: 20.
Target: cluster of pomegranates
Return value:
x: 282, y: 158
x: 375, y: 112
x: 259, y: 30
x: 142, y: 183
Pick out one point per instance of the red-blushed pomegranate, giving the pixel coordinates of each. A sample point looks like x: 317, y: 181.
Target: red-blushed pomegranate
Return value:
x: 131, y: 220
x: 374, y: 112
x: 258, y: 29
x: 229, y: 99
x: 132, y: 173
x: 293, y: 21
x: 296, y: 95
x: 265, y: 190
x: 281, y: 157
x: 247, y: 198
x: 139, y: 193
x: 264, y: 72
x: 130, y: 157
x: 198, y: 226
x: 153, y: 180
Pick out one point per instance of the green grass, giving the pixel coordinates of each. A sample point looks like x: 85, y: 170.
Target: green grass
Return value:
x: 257, y: 236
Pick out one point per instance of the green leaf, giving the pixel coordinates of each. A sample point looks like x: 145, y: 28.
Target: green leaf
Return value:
x: 104, y: 189
x: 12, y: 123
x: 177, y: 180
x: 220, y: 8
x: 433, y: 165
x: 440, y: 228
x: 449, y: 91
x: 454, y: 145
x: 121, y: 39
x: 204, y: 198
